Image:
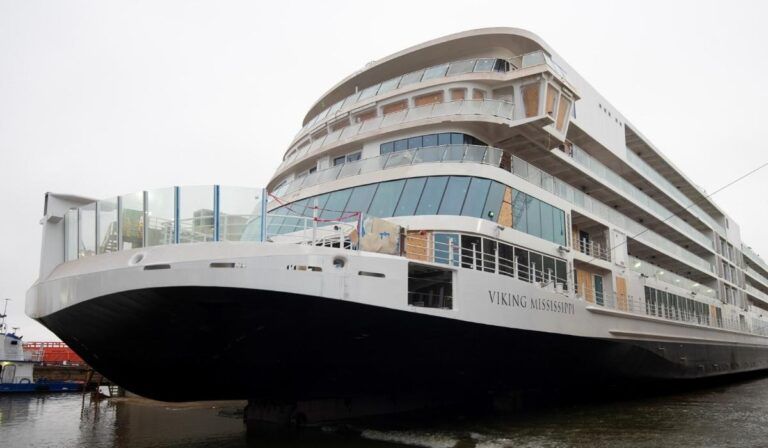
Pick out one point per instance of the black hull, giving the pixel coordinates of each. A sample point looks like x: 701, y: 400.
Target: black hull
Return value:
x: 194, y: 343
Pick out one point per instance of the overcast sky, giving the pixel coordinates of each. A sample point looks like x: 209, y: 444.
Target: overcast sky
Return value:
x: 99, y: 98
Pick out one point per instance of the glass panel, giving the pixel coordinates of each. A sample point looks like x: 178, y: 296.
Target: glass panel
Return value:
x: 160, y: 217
x: 454, y: 153
x: 435, y: 72
x: 484, y: 65
x: 107, y: 231
x: 411, y: 78
x: 549, y: 269
x: 533, y: 213
x: 552, y: 95
x: 239, y: 214
x: 429, y: 154
x: 195, y: 214
x: 523, y: 270
x: 489, y: 255
x: 87, y: 237
x: 471, y: 251
x: 360, y: 200
x: 335, y: 108
x: 444, y: 139
x: 433, y: 193
x: 410, y: 197
x: 457, y: 139
x: 388, y: 85
x: 454, y: 196
x: 506, y: 259
x: 447, y: 248
x: 70, y: 229
x: 132, y: 220
x: 317, y: 201
x: 493, y: 202
x: 558, y: 218
x: 401, y: 145
x: 369, y: 92
x: 561, y: 272
x: 385, y: 200
x: 562, y: 113
x: 429, y: 140
x: 461, y: 67
x: 386, y: 148
x: 291, y: 224
x: 519, y: 217
x: 531, y: 99
x: 335, y: 205
x: 476, y: 196
x: 547, y: 224
x: 415, y: 142
x: 536, y: 266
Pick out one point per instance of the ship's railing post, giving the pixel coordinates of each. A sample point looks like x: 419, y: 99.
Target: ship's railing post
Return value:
x: 474, y: 256
x: 450, y: 251
x: 314, y: 222
x: 496, y: 257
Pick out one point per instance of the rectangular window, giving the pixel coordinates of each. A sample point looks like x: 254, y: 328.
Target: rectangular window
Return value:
x: 355, y: 156
x: 461, y: 67
x: 454, y: 196
x: 533, y: 213
x: 549, y: 270
x: 446, y: 248
x: 531, y: 99
x: 476, y: 196
x: 429, y: 140
x: 430, y: 287
x: 561, y: 272
x: 558, y: 217
x: 489, y: 255
x: 471, y: 250
x: 519, y: 217
x: 410, y: 197
x: 336, y: 203
x: 339, y: 160
x: 437, y: 71
x: 484, y: 65
x: 411, y: 78
x: 433, y: 193
x: 458, y: 94
x: 401, y: 145
x: 506, y: 259
x: 388, y: 85
x: 523, y: 269
x: 360, y: 199
x: 537, y: 266
x: 457, y: 138
x: 394, y: 107
x: 415, y: 142
x: 368, y: 92
x: 493, y: 202
x: 385, y: 200
x: 444, y: 139
x: 429, y: 98
x: 547, y: 223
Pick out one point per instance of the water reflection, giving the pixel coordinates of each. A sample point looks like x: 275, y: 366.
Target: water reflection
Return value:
x: 730, y: 415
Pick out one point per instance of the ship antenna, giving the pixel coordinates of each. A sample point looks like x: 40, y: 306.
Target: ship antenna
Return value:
x: 2, y: 316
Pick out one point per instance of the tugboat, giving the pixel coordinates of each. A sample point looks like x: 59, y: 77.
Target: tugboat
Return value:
x: 17, y: 366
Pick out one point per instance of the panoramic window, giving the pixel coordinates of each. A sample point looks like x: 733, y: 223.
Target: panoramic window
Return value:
x: 422, y: 141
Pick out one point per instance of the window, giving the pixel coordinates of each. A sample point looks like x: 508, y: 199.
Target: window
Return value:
x: 385, y: 200
x: 478, y: 94
x: 506, y: 259
x: 411, y: 78
x: 461, y: 67
x: 537, y: 266
x: 388, y: 85
x: 458, y: 94
x: 446, y: 247
x: 433, y: 193
x: 410, y: 197
x: 531, y: 99
x: 339, y: 160
x: 355, y: 156
x: 360, y: 199
x: 547, y: 223
x: 415, y: 142
x: 454, y: 196
x: 533, y: 213
x: 429, y: 98
x: 519, y: 217
x: 437, y: 71
x: 523, y: 270
x: 430, y: 140
x: 369, y: 92
x: 429, y: 286
x: 489, y: 255
x: 493, y: 202
x: 401, y: 145
x: 394, y: 107
x: 471, y: 250
x: 476, y: 195
x: 336, y: 203
x: 484, y: 65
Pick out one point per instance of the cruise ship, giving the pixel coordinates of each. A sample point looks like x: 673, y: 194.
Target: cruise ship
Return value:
x: 467, y: 216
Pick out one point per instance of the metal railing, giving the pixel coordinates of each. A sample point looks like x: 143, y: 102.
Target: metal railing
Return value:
x: 593, y: 249
x: 754, y: 256
x: 750, y: 270
x: 756, y: 293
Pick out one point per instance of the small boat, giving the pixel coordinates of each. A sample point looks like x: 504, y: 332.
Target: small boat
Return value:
x: 17, y: 367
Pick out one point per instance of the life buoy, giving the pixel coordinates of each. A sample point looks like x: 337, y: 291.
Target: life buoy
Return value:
x: 24, y: 381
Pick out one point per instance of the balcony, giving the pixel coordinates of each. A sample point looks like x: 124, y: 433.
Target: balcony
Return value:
x: 754, y: 256
x: 662, y: 275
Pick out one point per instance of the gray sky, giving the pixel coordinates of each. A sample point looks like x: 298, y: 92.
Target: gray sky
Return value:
x: 100, y: 98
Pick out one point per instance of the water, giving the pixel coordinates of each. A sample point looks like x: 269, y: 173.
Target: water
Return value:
x: 730, y: 415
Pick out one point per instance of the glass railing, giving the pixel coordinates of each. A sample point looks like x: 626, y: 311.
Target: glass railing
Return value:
x: 660, y: 181
x: 488, y: 107
x: 431, y: 154
x: 165, y: 216
x: 455, y: 68
x: 665, y: 276
x: 757, y: 275
x: 640, y: 198
x: 757, y: 293
x: 519, y: 167
x: 754, y: 256
x: 578, y: 198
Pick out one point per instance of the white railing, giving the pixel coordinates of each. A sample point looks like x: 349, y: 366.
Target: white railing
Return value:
x: 593, y: 249
x: 757, y: 293
x: 754, y: 256
x: 750, y: 270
